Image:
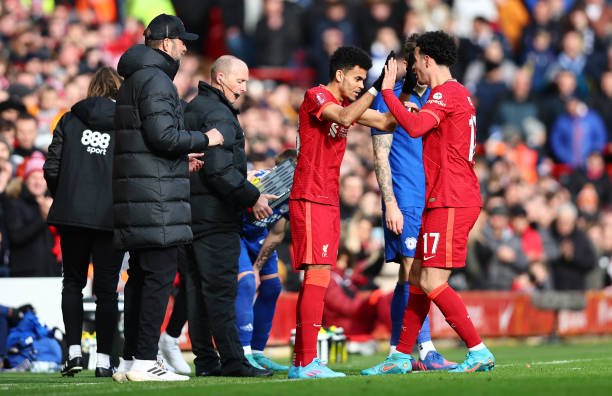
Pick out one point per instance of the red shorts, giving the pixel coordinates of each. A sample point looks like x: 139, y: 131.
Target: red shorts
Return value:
x: 315, y: 233
x: 444, y: 235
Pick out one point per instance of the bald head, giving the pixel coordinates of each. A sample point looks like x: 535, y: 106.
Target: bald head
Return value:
x: 230, y: 75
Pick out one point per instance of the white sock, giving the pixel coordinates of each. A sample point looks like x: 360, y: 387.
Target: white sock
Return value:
x: 74, y: 351
x: 247, y: 350
x: 392, y: 349
x: 142, y: 365
x: 424, y: 348
x: 102, y: 360
x: 255, y: 352
x: 477, y: 347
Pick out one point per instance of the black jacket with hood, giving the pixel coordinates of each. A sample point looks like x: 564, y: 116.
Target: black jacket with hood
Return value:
x: 79, y: 166
x: 150, y: 168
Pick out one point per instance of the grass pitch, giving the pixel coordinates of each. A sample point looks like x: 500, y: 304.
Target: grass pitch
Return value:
x: 551, y: 370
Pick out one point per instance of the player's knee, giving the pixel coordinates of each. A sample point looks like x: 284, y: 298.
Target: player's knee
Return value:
x: 270, y: 288
x: 246, y: 284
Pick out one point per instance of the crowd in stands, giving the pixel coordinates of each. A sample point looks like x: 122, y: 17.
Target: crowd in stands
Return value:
x: 540, y: 73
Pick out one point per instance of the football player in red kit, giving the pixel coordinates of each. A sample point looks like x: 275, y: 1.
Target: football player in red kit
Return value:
x: 325, y: 116
x: 447, y: 123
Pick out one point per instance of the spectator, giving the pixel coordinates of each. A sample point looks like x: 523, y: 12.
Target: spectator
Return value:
x: 594, y: 172
x: 26, y: 130
x: 514, y: 111
x: 351, y: 191
x: 573, y: 58
x: 278, y: 34
x: 602, y: 103
x: 500, y: 251
x: 577, y: 133
x: 26, y: 209
x: 6, y: 172
x: 576, y: 253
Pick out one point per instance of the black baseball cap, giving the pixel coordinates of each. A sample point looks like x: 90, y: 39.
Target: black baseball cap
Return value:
x: 168, y: 26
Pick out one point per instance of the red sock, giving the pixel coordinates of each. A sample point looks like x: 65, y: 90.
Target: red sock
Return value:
x: 414, y: 315
x: 309, y: 315
x: 452, y: 307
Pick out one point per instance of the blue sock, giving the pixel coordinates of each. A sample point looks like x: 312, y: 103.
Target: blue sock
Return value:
x: 244, y: 308
x: 398, y: 305
x: 264, y: 308
x: 425, y: 332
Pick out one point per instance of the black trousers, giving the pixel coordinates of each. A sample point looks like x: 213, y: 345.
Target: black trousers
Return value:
x: 147, y: 291
x: 79, y: 246
x: 178, y: 318
x: 211, y: 295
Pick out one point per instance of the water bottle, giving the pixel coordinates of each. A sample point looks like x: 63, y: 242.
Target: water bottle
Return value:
x: 323, y: 346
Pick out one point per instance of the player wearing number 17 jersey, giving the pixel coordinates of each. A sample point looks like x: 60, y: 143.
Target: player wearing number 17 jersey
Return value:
x: 447, y: 123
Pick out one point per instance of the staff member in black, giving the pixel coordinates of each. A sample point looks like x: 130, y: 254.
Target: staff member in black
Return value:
x: 220, y: 193
x: 78, y: 171
x: 151, y: 210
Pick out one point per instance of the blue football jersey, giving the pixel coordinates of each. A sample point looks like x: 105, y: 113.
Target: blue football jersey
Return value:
x: 405, y: 157
x: 255, y: 229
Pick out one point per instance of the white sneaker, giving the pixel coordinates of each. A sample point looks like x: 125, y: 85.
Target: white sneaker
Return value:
x: 163, y: 363
x: 124, y: 367
x: 151, y: 370
x: 171, y: 352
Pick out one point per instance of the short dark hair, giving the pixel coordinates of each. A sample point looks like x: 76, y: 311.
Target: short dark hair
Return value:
x: 409, y: 45
x: 346, y: 58
x: 439, y: 46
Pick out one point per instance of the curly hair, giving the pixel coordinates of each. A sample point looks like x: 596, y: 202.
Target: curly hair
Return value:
x: 438, y: 45
x: 346, y: 58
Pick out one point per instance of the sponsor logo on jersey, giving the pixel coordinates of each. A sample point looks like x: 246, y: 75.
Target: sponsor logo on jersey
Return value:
x: 437, y: 95
x: 337, y: 130
x: 438, y: 102
x: 96, y: 142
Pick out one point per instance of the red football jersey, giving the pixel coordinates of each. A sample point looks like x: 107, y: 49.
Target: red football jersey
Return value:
x: 448, y: 149
x: 321, y: 145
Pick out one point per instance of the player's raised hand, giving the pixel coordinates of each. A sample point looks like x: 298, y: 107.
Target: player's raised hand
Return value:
x: 390, y: 73
x: 378, y: 83
x: 394, y: 219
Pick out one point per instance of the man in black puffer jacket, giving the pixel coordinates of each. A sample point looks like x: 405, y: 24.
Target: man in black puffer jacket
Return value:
x: 220, y: 193
x: 151, y: 208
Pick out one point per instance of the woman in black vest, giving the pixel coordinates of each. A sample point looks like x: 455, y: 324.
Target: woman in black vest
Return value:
x: 78, y: 171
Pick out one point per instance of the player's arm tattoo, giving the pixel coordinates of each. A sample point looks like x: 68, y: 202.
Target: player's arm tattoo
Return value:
x: 382, y: 146
x: 274, y: 238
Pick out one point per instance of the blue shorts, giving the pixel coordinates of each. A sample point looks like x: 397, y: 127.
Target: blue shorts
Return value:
x: 404, y: 245
x: 249, y: 249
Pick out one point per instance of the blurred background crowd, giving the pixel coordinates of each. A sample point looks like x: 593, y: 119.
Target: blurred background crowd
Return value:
x: 540, y: 72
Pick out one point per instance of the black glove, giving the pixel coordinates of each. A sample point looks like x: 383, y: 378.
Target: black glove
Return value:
x: 378, y: 83
x: 410, y: 80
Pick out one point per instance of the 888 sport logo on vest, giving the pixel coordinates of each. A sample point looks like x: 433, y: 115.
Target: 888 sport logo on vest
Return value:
x: 96, y: 142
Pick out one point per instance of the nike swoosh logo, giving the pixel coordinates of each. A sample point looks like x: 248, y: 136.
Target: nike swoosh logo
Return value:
x: 427, y: 258
x: 387, y: 368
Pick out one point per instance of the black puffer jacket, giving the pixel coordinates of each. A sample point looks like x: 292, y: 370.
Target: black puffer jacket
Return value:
x: 79, y: 166
x: 150, y: 169
x: 220, y: 191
